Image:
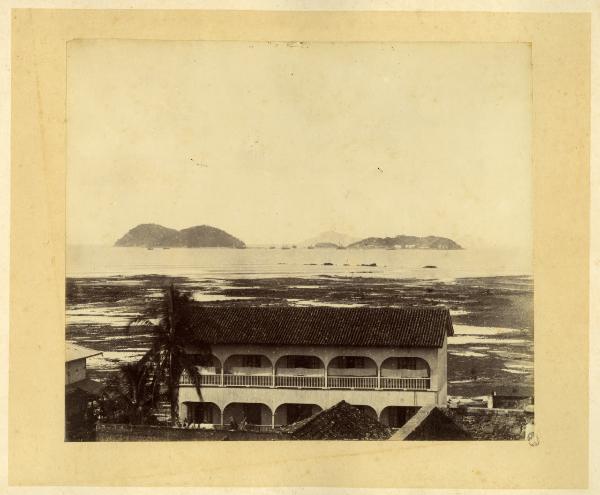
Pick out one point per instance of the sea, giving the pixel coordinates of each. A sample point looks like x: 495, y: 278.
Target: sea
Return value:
x: 261, y: 262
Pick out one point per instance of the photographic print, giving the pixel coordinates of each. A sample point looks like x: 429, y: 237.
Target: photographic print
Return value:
x: 298, y: 241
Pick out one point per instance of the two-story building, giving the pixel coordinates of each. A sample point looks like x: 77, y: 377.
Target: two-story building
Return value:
x: 273, y: 366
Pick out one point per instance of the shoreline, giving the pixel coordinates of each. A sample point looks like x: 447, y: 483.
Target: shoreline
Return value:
x: 496, y: 352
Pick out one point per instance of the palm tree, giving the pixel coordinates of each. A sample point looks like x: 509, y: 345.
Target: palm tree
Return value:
x: 167, y: 357
x: 132, y: 392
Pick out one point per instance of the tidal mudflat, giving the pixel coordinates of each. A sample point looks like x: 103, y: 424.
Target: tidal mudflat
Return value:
x: 493, y: 316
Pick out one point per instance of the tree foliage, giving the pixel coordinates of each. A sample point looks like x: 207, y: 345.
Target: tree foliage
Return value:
x: 169, y: 355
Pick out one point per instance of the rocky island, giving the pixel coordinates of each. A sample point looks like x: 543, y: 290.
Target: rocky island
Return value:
x: 150, y: 235
x: 406, y: 242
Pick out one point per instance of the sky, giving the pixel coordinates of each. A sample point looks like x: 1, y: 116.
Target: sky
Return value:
x: 276, y: 142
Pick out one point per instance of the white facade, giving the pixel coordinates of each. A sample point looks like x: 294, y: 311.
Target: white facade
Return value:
x: 271, y: 385
x: 75, y: 362
x: 75, y: 371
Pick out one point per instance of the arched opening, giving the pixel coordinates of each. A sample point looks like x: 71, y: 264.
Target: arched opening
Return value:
x: 237, y: 414
x: 208, y: 367
x: 206, y: 363
x: 397, y: 416
x: 299, y: 371
x: 352, y: 372
x: 202, y: 413
x: 250, y: 370
x: 405, y: 373
x: 287, y: 414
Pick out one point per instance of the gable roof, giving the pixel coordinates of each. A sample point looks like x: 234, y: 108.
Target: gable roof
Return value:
x: 340, y: 422
x: 74, y: 352
x: 281, y: 325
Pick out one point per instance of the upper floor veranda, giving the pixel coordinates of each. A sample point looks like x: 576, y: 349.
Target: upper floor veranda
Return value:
x: 319, y: 367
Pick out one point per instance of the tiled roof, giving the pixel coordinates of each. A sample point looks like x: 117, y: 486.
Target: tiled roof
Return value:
x: 74, y: 352
x: 87, y: 385
x: 340, y: 422
x: 369, y: 327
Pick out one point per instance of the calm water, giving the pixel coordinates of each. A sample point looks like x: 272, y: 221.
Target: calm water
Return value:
x: 223, y: 263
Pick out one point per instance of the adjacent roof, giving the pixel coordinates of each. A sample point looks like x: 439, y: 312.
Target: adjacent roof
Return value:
x: 87, y: 385
x: 280, y: 325
x: 339, y: 422
x: 74, y: 352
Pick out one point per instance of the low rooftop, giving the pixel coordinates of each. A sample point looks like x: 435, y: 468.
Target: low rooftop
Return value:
x: 340, y: 422
x: 74, y: 352
x: 365, y: 327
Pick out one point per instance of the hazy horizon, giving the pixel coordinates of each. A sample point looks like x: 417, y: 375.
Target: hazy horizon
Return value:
x: 275, y: 143
x: 297, y: 242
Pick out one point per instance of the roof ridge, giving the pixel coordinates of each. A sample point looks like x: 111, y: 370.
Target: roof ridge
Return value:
x: 312, y: 418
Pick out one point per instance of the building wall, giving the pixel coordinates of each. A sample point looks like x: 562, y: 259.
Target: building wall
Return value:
x: 327, y: 354
x: 442, y: 376
x: 388, y: 369
x: 235, y: 365
x: 324, y: 398
x: 300, y: 371
x: 75, y: 371
x: 236, y: 411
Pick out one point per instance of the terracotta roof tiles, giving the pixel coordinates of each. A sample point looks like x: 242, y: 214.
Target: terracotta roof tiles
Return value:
x: 363, y: 326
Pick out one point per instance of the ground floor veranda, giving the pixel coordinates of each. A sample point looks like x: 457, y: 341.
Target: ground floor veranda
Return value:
x: 262, y: 417
x: 271, y: 407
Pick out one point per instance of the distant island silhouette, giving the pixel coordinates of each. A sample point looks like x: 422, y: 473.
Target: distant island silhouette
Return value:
x: 405, y: 242
x: 150, y: 235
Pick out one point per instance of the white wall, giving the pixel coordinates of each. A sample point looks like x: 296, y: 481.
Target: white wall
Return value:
x: 326, y: 353
x: 274, y: 397
x: 324, y: 398
x: 75, y: 371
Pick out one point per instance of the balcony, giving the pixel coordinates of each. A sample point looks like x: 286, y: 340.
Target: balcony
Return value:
x: 310, y: 372
x: 309, y: 382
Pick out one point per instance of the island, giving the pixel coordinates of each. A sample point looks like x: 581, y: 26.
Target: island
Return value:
x: 150, y: 235
x: 326, y: 245
x: 405, y: 242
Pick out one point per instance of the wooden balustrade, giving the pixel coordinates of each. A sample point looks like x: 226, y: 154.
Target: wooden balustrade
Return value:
x: 292, y: 381
x: 398, y: 383
x: 361, y: 382
x: 248, y: 380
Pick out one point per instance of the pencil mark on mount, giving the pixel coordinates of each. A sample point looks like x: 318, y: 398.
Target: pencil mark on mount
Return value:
x: 199, y: 164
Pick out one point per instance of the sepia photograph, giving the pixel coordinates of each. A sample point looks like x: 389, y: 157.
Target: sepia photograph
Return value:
x: 298, y: 241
